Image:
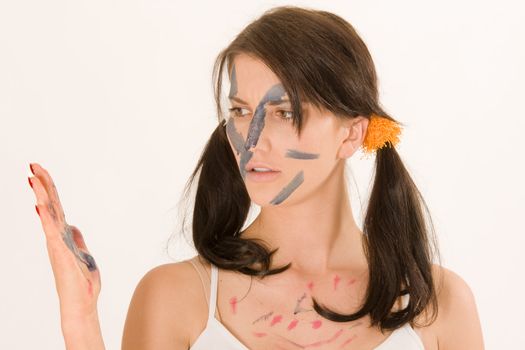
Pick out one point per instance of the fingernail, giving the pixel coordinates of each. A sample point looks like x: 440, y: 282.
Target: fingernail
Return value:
x: 30, y: 183
x: 31, y: 167
x: 37, y: 211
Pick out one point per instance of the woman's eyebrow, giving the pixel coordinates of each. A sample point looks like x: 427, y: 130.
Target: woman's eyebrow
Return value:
x: 271, y: 102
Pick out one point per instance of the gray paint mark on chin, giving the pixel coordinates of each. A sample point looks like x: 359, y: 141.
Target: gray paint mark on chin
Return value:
x: 300, y: 155
x: 286, y: 191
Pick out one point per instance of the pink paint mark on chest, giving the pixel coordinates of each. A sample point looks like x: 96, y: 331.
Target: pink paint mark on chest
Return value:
x: 352, y: 281
x: 233, y: 304
x: 310, y: 286
x: 292, y: 325
x: 348, y: 341
x: 260, y: 334
x: 327, y: 341
x: 336, y: 281
x: 276, y: 319
x: 316, y: 324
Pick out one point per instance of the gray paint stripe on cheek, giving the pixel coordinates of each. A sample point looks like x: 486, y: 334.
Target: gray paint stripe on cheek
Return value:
x: 245, y: 158
x: 300, y: 155
x: 235, y: 136
x: 285, y: 192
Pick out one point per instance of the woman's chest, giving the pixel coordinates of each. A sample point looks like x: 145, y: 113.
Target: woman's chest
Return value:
x: 280, y: 315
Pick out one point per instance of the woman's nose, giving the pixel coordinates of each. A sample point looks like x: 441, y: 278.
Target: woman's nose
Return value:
x: 263, y: 142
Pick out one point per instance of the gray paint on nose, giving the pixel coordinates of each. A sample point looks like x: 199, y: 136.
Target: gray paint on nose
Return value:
x: 286, y: 191
x: 300, y: 155
x: 274, y: 95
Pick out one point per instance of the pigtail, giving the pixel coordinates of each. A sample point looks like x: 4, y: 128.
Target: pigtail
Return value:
x: 397, y: 242
x: 398, y: 247
x: 221, y: 208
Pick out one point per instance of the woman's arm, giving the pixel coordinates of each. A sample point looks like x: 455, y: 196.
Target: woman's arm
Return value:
x: 83, y: 333
x: 160, y: 310
x: 459, y: 326
x: 77, y: 278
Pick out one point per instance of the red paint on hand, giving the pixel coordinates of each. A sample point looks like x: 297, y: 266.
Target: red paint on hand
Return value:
x: 276, y: 319
x: 316, y: 324
x: 292, y: 325
x: 90, y: 288
x: 233, y: 304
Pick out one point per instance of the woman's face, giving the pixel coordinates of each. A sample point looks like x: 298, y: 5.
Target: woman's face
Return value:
x: 261, y: 134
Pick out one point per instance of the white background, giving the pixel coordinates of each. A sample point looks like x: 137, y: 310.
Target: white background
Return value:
x: 114, y: 98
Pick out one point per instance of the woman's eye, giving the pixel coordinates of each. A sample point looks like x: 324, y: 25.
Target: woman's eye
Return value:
x: 286, y: 115
x: 238, y: 111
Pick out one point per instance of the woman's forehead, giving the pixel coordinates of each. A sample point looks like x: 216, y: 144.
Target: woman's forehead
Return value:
x: 251, y: 78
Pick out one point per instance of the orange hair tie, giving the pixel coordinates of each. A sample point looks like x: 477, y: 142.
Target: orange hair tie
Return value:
x: 380, y: 130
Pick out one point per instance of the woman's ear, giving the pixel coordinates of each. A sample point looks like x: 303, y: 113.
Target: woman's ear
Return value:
x: 355, y: 134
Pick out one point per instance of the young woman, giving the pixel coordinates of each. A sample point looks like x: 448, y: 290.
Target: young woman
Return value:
x: 303, y: 98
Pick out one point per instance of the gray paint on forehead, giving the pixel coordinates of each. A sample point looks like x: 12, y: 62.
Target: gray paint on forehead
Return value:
x: 274, y: 95
x: 300, y: 155
x: 285, y: 192
x: 233, y: 83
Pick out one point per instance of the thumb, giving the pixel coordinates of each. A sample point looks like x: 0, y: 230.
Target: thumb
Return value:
x: 83, y: 250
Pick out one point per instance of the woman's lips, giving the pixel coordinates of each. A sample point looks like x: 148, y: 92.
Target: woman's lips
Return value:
x: 262, y: 176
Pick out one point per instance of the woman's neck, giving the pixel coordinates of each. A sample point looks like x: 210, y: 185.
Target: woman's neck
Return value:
x: 317, y: 236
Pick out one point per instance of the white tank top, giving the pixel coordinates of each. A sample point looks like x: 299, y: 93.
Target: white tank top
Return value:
x: 216, y: 336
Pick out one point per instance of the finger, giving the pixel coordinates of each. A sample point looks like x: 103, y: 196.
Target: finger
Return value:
x: 54, y: 229
x: 49, y: 185
x: 47, y: 211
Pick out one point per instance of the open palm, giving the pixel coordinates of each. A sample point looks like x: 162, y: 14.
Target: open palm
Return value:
x: 77, y: 277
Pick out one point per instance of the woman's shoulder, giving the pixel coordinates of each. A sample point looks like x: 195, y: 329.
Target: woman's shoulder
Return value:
x: 164, y: 303
x: 457, y: 321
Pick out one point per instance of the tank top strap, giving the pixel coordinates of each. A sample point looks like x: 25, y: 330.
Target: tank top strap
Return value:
x: 213, y: 291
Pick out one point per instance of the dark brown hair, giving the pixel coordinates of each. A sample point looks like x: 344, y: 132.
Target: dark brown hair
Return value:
x: 319, y: 58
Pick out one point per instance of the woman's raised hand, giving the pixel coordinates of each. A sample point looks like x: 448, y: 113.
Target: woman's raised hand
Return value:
x: 77, y: 278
